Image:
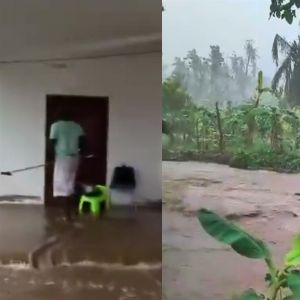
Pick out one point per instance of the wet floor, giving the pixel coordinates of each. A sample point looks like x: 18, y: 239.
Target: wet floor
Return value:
x: 115, y: 257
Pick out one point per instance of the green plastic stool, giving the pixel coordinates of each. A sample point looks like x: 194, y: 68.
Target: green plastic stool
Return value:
x: 95, y: 201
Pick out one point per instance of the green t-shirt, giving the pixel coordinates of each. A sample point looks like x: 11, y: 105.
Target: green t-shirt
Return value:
x: 66, y: 134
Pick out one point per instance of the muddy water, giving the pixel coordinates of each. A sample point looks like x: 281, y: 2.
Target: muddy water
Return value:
x: 110, y: 258
x: 197, y: 267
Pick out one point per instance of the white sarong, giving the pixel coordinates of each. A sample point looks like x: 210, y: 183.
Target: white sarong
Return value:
x: 65, y: 171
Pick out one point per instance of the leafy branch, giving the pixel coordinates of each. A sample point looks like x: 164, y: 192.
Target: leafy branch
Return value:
x: 284, y: 9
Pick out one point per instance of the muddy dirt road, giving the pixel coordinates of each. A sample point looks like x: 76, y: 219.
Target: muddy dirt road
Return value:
x: 194, y: 265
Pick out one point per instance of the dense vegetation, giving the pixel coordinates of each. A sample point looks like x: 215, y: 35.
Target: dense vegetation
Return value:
x: 262, y: 132
x: 215, y: 108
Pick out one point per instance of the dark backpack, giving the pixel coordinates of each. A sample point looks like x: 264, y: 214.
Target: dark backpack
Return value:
x: 123, y: 178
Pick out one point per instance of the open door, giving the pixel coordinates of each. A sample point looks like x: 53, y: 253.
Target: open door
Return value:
x: 92, y: 114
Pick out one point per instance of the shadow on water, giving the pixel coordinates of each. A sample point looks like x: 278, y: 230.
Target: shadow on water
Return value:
x: 45, y: 257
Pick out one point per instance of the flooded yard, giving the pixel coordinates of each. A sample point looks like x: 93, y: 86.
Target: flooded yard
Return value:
x: 44, y: 257
x: 195, y: 266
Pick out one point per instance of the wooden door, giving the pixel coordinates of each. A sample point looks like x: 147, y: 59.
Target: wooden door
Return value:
x: 92, y: 114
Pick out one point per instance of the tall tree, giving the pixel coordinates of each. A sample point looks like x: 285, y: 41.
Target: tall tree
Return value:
x: 288, y: 72
x: 180, y: 71
x: 218, y: 73
x: 239, y: 74
x: 251, y: 57
x: 199, y: 74
x: 216, y: 60
x: 244, y: 69
x: 175, y: 97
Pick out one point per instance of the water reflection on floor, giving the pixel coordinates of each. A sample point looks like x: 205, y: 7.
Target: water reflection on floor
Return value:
x: 110, y: 258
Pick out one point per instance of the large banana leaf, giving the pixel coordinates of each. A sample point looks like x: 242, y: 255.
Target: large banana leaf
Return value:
x: 292, y: 258
x: 230, y: 234
x: 250, y: 295
x: 293, y: 281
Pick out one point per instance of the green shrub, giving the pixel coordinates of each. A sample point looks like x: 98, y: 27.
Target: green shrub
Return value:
x: 262, y: 156
x: 259, y: 156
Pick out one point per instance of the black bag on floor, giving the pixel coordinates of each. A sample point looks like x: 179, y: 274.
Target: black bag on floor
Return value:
x: 123, y: 178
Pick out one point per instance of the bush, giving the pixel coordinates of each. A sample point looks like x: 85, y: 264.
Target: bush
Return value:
x: 179, y: 154
x: 264, y: 157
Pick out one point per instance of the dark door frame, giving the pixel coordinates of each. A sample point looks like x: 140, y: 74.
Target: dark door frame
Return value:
x: 50, y: 98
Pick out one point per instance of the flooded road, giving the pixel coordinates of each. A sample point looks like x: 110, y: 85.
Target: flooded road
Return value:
x: 195, y: 266
x: 110, y: 258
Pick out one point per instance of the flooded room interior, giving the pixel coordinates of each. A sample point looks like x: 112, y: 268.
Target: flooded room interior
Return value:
x: 80, y: 129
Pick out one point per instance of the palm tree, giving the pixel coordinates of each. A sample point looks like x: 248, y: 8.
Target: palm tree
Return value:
x: 251, y: 57
x: 288, y: 73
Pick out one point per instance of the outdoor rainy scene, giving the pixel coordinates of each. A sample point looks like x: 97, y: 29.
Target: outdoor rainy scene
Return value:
x: 231, y: 149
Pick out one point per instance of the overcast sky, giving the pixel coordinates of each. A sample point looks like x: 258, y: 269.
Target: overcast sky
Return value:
x: 197, y: 24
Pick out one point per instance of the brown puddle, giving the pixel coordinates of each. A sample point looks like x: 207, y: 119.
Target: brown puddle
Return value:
x: 109, y: 258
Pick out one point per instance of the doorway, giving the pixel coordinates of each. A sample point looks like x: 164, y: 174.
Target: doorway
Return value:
x: 92, y: 114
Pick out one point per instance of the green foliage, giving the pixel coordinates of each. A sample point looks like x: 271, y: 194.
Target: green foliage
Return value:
x: 281, y: 283
x: 248, y: 136
x: 287, y: 76
x: 245, y: 159
x: 264, y: 156
x: 228, y: 233
x: 284, y: 9
x: 250, y: 295
x: 292, y: 258
x: 174, y: 95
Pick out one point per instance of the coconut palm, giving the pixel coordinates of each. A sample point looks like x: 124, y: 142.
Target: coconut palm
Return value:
x: 251, y: 57
x: 288, y: 72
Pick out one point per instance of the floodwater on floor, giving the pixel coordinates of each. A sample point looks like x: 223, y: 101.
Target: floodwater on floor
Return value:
x: 45, y: 257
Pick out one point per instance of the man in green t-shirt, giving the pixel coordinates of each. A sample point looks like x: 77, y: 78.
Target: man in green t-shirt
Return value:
x: 68, y: 142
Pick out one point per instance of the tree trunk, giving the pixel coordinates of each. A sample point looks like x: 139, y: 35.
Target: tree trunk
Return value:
x: 197, y: 138
x: 247, y: 65
x: 297, y: 144
x: 220, y: 129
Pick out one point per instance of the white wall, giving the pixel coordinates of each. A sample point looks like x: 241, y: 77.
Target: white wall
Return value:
x: 133, y: 85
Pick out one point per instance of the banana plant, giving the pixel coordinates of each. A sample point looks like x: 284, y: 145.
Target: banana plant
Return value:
x: 250, y: 118
x: 282, y: 283
x: 260, y: 89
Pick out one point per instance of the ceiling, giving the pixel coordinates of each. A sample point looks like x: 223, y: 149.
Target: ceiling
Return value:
x: 46, y: 29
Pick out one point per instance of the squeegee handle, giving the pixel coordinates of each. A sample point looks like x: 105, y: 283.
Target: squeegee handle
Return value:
x: 9, y: 173
x: 28, y: 168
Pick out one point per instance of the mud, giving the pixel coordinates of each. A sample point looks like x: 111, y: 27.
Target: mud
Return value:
x: 197, y: 267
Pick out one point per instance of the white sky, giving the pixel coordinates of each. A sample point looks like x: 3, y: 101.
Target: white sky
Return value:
x: 189, y: 24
